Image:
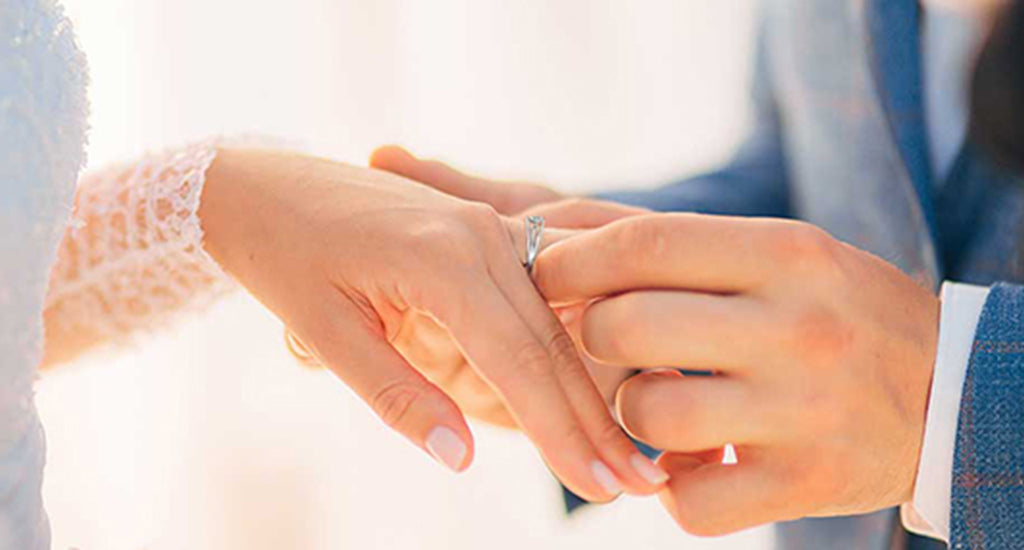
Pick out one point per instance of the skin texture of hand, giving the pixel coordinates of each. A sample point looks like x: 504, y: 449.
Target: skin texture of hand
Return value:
x: 431, y: 349
x: 342, y: 254
x: 822, y: 355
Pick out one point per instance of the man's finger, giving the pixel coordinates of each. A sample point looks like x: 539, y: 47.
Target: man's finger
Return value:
x: 711, y: 499
x: 438, y: 175
x: 506, y: 197
x: 579, y: 213
x: 680, y: 413
x: 676, y: 328
x: 718, y: 254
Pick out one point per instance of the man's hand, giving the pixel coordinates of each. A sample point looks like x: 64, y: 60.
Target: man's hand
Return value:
x: 822, y: 355
x: 508, y: 198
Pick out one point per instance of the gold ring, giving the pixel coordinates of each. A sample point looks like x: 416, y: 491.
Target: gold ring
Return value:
x: 299, y: 351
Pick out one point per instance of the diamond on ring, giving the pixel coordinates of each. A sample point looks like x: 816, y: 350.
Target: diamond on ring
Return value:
x: 534, y: 232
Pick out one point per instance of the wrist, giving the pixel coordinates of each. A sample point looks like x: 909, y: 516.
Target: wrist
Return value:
x: 215, y: 207
x: 922, y: 390
x: 240, y: 207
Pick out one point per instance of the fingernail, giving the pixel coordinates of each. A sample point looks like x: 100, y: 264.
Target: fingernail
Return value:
x: 446, y: 447
x: 648, y: 469
x: 605, y: 478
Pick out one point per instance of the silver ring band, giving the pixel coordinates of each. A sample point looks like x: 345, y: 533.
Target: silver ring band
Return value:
x: 534, y: 231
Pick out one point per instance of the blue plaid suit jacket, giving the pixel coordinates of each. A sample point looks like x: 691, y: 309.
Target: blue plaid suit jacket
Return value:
x: 839, y: 139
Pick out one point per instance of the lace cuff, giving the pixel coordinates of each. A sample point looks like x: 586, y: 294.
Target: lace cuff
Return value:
x: 133, y: 257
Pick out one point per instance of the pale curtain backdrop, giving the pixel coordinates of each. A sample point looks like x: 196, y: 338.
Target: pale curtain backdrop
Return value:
x: 207, y: 436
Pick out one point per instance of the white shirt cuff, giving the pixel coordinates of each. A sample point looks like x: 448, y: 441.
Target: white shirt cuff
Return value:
x: 928, y: 513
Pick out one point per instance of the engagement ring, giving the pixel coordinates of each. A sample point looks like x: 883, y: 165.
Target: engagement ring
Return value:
x: 534, y: 231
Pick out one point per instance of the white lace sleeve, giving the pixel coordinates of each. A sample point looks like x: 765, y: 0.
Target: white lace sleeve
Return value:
x: 132, y: 257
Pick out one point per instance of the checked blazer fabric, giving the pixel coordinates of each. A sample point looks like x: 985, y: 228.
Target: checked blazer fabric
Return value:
x: 839, y: 139
x: 988, y: 471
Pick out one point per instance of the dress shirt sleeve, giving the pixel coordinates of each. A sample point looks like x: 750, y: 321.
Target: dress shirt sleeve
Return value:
x: 928, y: 513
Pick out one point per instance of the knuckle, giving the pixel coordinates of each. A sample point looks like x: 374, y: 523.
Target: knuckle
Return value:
x: 573, y: 436
x: 442, y: 243
x: 479, y: 216
x: 533, y: 358
x: 610, y: 435
x: 645, y: 234
x: 803, y: 244
x: 820, y: 336
x: 562, y: 351
x: 393, y: 402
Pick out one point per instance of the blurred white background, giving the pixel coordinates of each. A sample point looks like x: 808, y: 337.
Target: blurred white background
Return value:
x: 208, y: 436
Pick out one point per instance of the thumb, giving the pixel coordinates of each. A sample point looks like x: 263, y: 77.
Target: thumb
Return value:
x: 506, y: 198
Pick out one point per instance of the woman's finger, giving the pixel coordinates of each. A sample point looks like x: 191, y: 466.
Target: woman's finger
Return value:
x: 431, y: 350
x: 428, y: 347
x: 688, y: 413
x: 349, y: 344
x: 520, y: 368
x: 676, y: 328
x: 637, y: 474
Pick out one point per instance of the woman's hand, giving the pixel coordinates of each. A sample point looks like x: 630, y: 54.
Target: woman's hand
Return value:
x: 343, y: 255
x: 430, y: 348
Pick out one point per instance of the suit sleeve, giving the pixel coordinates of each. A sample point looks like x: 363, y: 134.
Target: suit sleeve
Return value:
x: 988, y: 469
x: 752, y: 183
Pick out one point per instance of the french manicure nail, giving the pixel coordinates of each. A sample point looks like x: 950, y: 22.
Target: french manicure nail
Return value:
x: 605, y: 478
x: 648, y: 469
x: 446, y: 447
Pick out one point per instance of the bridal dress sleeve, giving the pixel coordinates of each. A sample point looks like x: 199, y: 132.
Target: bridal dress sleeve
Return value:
x: 132, y: 257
